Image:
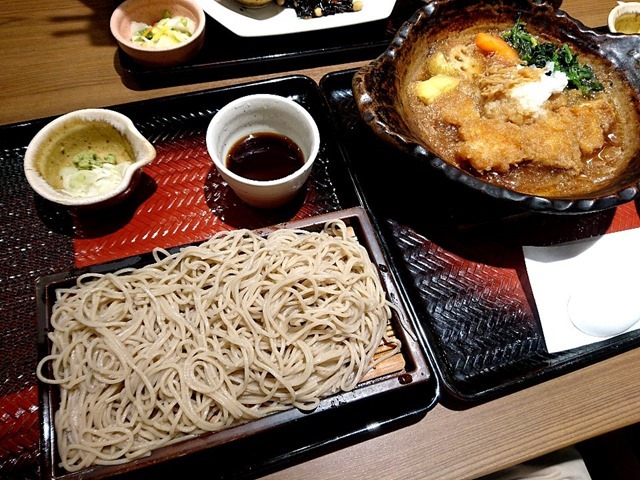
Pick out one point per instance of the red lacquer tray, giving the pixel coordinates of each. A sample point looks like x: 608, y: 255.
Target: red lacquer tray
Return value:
x: 181, y: 200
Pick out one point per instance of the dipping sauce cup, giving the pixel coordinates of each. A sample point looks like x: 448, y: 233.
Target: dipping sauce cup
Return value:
x: 264, y: 147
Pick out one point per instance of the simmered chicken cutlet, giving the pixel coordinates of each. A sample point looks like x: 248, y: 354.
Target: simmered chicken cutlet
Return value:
x: 497, y: 133
x: 551, y: 127
x: 556, y: 139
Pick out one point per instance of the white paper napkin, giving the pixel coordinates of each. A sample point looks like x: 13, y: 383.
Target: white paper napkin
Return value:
x: 595, y: 279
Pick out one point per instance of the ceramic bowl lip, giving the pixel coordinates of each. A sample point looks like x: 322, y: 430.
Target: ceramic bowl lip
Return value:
x: 122, y: 10
x: 370, y: 113
x: 254, y: 4
x: 229, y: 108
x: 619, y: 9
x: 144, y: 152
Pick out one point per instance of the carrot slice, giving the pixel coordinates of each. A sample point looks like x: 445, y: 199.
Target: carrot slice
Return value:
x: 492, y: 44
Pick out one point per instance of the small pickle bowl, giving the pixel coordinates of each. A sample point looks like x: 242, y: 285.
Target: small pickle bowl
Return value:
x: 87, y: 158
x: 264, y: 146
x: 159, y: 33
x: 625, y: 18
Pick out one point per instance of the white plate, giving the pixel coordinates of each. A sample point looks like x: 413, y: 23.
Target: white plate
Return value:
x: 275, y: 20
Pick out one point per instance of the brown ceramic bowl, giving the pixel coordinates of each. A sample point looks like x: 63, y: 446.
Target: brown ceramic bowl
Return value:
x: 379, y: 89
x: 149, y: 12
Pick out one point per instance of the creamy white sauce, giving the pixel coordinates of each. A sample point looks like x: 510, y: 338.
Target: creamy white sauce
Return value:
x: 97, y: 180
x: 533, y: 95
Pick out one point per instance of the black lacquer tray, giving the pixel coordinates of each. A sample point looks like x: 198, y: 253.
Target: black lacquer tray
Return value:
x: 227, y: 55
x: 181, y: 199
x: 462, y: 264
x: 338, y: 417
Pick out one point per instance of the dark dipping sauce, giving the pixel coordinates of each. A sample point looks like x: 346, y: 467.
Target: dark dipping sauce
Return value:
x: 265, y: 156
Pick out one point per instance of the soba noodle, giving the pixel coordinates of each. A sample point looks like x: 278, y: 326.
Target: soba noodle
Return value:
x: 218, y: 334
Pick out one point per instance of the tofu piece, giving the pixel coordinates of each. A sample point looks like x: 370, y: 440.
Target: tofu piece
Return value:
x: 428, y: 90
x: 437, y: 64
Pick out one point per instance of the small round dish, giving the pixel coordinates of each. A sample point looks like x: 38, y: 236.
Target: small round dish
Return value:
x: 87, y: 158
x: 625, y: 18
x: 255, y: 115
x: 129, y: 15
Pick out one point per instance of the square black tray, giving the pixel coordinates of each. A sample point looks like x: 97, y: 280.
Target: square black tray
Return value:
x: 227, y: 55
x: 337, y: 417
x: 462, y: 264
x: 41, y: 239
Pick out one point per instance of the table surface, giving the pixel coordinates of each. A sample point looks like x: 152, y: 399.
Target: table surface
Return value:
x: 58, y: 56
